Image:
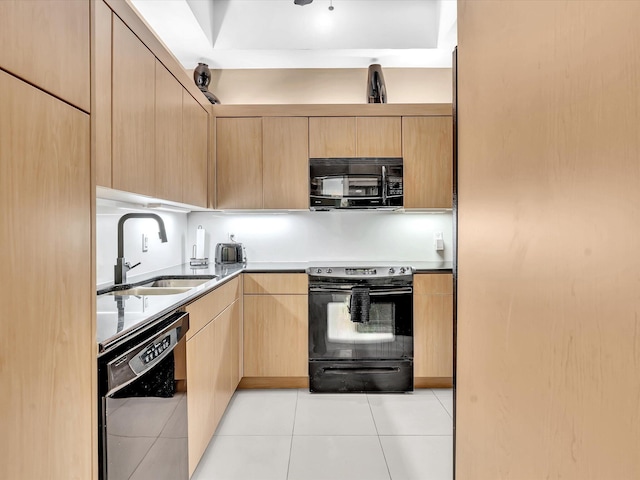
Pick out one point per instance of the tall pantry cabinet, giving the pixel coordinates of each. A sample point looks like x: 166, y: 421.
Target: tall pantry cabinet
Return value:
x: 548, y: 326
x: 47, y: 347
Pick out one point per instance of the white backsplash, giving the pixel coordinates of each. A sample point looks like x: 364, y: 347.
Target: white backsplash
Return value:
x: 287, y: 236
x: 159, y: 255
x: 294, y: 236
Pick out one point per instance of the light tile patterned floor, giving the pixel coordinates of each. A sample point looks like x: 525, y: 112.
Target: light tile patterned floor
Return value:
x: 296, y: 435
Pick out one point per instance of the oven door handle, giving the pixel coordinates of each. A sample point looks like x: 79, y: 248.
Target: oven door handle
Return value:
x: 384, y: 185
x: 130, y: 365
x: 374, y: 293
x: 360, y: 370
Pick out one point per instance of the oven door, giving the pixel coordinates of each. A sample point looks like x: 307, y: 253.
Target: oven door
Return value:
x: 337, y: 330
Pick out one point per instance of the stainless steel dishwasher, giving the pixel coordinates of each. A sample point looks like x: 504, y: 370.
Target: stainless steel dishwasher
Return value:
x: 142, y: 403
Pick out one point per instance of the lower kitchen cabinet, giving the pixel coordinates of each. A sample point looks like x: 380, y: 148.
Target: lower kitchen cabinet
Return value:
x: 275, y: 330
x: 214, y: 364
x: 433, y: 330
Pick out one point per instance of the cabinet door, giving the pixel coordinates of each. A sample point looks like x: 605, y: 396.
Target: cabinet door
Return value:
x: 285, y: 161
x: 46, y: 42
x: 427, y: 145
x: 227, y: 356
x: 101, y: 109
x: 239, y: 162
x: 379, y: 136
x: 168, y: 135
x: 276, y: 335
x: 133, y: 112
x: 195, y: 151
x: 433, y: 326
x: 332, y: 137
x: 202, y: 372
x: 47, y: 349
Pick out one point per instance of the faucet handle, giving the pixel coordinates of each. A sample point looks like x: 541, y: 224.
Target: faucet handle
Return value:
x: 130, y: 267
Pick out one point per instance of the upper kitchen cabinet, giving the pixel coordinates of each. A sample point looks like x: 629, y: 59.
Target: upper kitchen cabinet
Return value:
x: 378, y: 136
x: 46, y: 42
x: 101, y: 78
x: 151, y: 134
x: 239, y: 163
x: 168, y: 136
x: 133, y: 110
x: 331, y: 137
x: 285, y: 162
x: 195, y: 151
x: 262, y: 163
x: 427, y: 145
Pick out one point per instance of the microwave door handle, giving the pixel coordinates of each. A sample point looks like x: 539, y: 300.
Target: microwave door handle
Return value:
x: 384, y: 185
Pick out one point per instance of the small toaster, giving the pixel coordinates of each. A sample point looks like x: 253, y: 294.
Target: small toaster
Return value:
x: 229, y: 253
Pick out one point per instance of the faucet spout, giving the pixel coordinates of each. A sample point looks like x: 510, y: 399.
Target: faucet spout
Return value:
x: 121, y: 267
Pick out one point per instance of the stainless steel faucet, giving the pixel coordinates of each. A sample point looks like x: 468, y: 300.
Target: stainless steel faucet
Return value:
x: 121, y: 267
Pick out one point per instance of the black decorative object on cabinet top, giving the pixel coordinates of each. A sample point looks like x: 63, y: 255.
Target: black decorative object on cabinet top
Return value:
x: 202, y: 78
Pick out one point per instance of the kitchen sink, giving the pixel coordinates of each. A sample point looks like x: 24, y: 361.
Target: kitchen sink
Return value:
x: 177, y: 282
x: 150, y: 291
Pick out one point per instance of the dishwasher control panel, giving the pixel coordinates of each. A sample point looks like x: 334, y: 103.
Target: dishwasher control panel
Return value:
x: 154, y: 350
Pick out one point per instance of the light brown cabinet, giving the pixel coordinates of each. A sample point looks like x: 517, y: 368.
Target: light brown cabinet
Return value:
x: 151, y: 135
x: 427, y: 145
x: 332, y: 137
x: 168, y: 136
x: 195, y: 151
x: 214, y: 362
x: 285, y: 162
x: 47, y: 361
x: 239, y: 163
x: 433, y: 329
x: 355, y: 137
x: 262, y: 162
x: 46, y: 42
x: 101, y: 109
x: 275, y: 328
x: 133, y: 113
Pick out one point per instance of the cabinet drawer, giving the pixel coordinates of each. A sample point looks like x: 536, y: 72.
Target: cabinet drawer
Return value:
x: 275, y: 283
x: 433, y: 283
x: 203, y: 310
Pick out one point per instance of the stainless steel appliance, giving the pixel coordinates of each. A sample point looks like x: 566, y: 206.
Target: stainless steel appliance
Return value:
x: 142, y: 404
x: 229, y: 253
x: 360, y: 329
x: 355, y: 183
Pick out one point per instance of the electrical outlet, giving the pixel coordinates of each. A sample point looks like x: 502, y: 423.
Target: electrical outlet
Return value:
x: 145, y: 242
x: 232, y: 237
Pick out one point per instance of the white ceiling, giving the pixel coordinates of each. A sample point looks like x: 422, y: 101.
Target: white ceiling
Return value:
x: 240, y: 34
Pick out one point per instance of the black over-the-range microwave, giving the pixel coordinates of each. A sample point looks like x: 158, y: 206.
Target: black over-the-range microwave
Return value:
x: 355, y: 183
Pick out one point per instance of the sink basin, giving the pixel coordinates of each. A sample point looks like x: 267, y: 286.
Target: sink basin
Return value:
x: 177, y: 282
x: 150, y: 291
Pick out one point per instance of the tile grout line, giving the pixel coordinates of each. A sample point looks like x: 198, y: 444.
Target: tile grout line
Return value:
x: 445, y: 408
x: 378, y: 435
x: 295, y: 411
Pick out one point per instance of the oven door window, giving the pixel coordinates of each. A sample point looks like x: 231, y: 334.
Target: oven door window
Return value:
x: 387, y: 333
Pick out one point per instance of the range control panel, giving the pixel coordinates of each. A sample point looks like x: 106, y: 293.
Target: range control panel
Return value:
x: 359, y: 272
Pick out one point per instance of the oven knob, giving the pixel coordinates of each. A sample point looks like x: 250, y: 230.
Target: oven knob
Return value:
x: 392, y: 271
x: 319, y: 270
x: 401, y: 270
x: 329, y: 270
